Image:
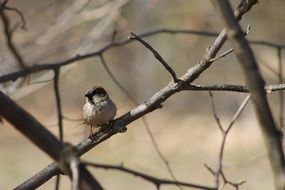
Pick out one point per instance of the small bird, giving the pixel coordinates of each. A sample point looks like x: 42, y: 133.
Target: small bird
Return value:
x: 98, y: 108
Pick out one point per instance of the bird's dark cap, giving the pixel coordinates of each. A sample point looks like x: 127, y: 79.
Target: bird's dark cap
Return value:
x: 97, y: 90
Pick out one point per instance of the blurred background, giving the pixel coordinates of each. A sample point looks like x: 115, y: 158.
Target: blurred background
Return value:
x: 185, y: 129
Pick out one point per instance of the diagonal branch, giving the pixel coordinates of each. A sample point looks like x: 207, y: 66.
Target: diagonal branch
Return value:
x: 133, y: 36
x: 255, y: 84
x: 42, y: 138
x: 29, y: 127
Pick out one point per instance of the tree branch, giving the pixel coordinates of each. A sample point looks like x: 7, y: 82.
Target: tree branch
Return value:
x: 58, y: 102
x: 42, y: 138
x: 8, y: 36
x: 256, y: 86
x: 30, y: 127
x: 133, y: 36
x: 231, y: 87
x: 156, y: 181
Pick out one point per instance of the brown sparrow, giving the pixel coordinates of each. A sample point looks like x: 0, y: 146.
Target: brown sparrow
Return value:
x: 98, y: 108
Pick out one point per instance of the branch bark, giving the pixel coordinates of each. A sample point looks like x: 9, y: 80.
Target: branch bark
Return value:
x: 46, y: 141
x: 256, y: 85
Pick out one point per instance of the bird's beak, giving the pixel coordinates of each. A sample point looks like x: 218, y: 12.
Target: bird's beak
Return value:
x: 88, y: 94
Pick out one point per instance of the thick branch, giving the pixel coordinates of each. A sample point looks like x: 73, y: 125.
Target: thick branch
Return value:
x: 42, y: 138
x: 256, y: 86
x: 40, y: 178
x: 30, y: 127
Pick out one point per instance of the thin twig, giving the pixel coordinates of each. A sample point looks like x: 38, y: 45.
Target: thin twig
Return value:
x: 41, y: 81
x: 59, y: 115
x: 23, y: 21
x: 224, y: 132
x: 4, y: 3
x: 133, y: 36
x: 237, y: 114
x: 235, y: 185
x: 156, y: 181
x: 225, y: 135
x: 72, y: 119
x: 58, y: 102
x: 210, y: 169
x: 281, y: 93
x: 215, y: 112
x: 8, y: 35
x: 222, y: 55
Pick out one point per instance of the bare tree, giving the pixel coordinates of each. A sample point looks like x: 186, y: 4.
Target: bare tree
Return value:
x: 19, y: 68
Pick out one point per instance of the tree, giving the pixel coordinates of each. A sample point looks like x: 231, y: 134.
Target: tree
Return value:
x: 24, y: 64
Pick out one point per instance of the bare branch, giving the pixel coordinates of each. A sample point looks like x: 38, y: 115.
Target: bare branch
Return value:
x: 41, y: 137
x: 39, y: 179
x: 210, y: 169
x: 225, y: 135
x: 50, y: 66
x: 235, y: 185
x: 8, y: 35
x: 281, y: 93
x: 23, y: 21
x: 231, y: 87
x: 256, y: 86
x: 58, y: 103
x: 225, y: 132
x: 222, y: 55
x: 237, y: 114
x: 215, y: 113
x: 156, y: 181
x: 133, y: 36
x: 72, y: 119
x: 30, y: 127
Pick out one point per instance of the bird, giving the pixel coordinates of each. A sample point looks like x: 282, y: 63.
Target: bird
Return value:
x: 98, y: 109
